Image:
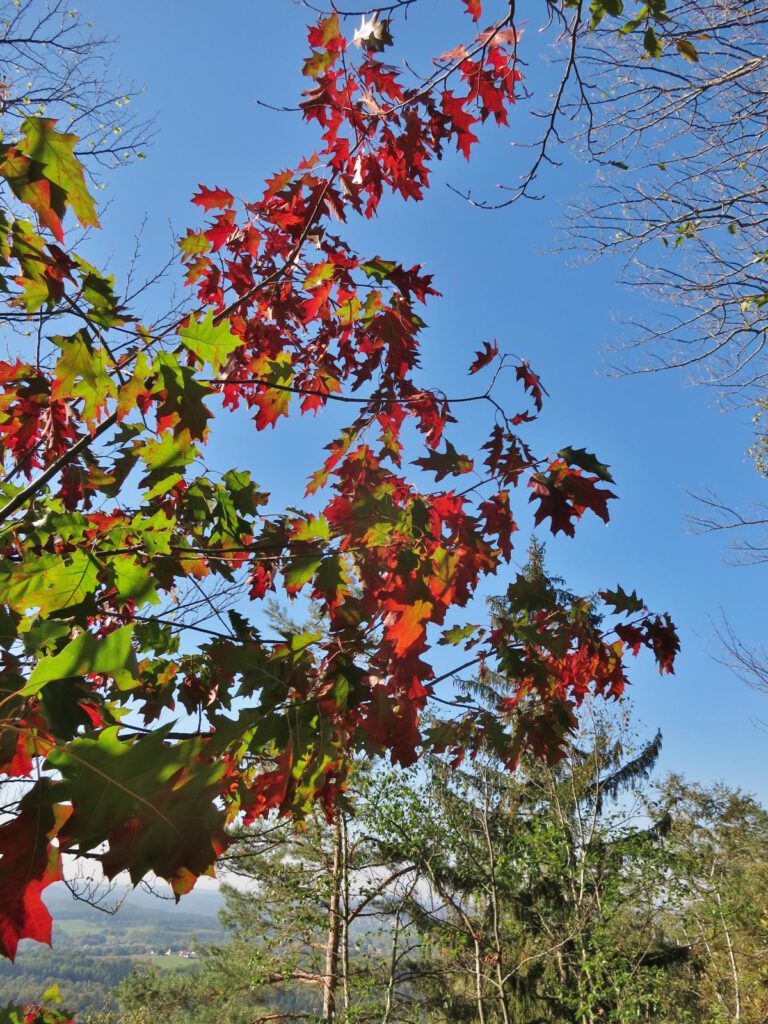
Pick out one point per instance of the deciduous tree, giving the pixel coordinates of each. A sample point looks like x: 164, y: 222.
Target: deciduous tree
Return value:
x: 136, y: 747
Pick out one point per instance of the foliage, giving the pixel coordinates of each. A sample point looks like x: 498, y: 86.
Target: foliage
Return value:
x: 119, y: 545
x: 573, y: 892
x: 298, y: 911
x: 567, y: 892
x: 85, y: 981
x: 720, y: 839
x: 540, y: 894
x: 44, y: 1012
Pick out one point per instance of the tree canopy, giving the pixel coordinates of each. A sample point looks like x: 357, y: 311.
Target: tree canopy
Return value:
x: 144, y: 708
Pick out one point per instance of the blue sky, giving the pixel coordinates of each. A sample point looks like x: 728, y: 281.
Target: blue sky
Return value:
x: 204, y: 67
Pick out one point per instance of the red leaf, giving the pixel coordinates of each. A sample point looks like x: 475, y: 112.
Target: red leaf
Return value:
x: 29, y: 864
x: 392, y: 724
x: 213, y: 198
x: 565, y: 494
x: 485, y: 355
x: 461, y: 122
x: 532, y: 383
x: 405, y: 625
x: 221, y: 229
x: 508, y: 457
x: 326, y: 34
x: 271, y: 404
x: 272, y: 789
x: 662, y: 639
x: 17, y: 753
x: 475, y: 8
x: 499, y: 521
x: 261, y: 580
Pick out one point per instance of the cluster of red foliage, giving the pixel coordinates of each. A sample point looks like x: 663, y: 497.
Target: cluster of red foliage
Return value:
x: 290, y: 318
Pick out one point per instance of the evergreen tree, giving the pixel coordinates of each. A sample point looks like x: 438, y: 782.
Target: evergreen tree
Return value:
x: 540, y: 887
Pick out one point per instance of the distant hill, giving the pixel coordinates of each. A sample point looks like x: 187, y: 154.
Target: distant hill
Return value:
x: 198, y: 903
x: 93, y: 950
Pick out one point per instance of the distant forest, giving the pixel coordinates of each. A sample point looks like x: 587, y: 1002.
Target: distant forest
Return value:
x: 93, y: 951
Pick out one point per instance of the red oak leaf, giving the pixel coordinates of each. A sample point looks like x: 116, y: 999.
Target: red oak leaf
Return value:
x: 392, y: 724
x: 532, y: 383
x: 499, y: 521
x: 661, y: 638
x: 565, y: 494
x: 405, y: 625
x: 447, y: 463
x: 272, y: 789
x: 508, y: 456
x: 326, y: 34
x: 485, y: 355
x: 261, y: 580
x: 17, y: 750
x: 213, y: 198
x: 221, y: 229
x: 29, y: 864
x: 461, y: 122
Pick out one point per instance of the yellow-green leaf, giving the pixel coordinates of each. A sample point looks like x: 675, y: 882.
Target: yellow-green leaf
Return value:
x: 81, y: 372
x: 111, y: 655
x: 210, y: 342
x: 55, y: 151
x: 48, y: 582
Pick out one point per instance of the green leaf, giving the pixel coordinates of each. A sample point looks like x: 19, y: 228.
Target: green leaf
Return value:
x: 378, y: 268
x: 194, y: 243
x: 211, y: 343
x: 155, y: 532
x: 600, y: 8
x: 318, y: 274
x: 635, y: 22
x: 332, y: 578
x: 152, y: 801
x: 312, y: 528
x: 26, y: 179
x: 165, y: 459
x: 583, y: 459
x: 98, y: 292
x: 81, y: 373
x: 245, y: 494
x: 182, y: 395
x: 61, y: 702
x: 156, y: 638
x: 651, y: 43
x: 55, y: 151
x: 456, y: 634
x: 134, y: 581
x: 47, y: 582
x: 37, y: 634
x: 52, y: 994
x: 38, y: 287
x: 111, y: 655
x: 622, y: 602
x: 128, y: 395
x: 300, y: 572
x: 447, y: 463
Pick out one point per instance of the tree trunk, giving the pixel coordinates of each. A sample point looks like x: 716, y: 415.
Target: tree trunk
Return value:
x: 346, y: 911
x: 331, y: 974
